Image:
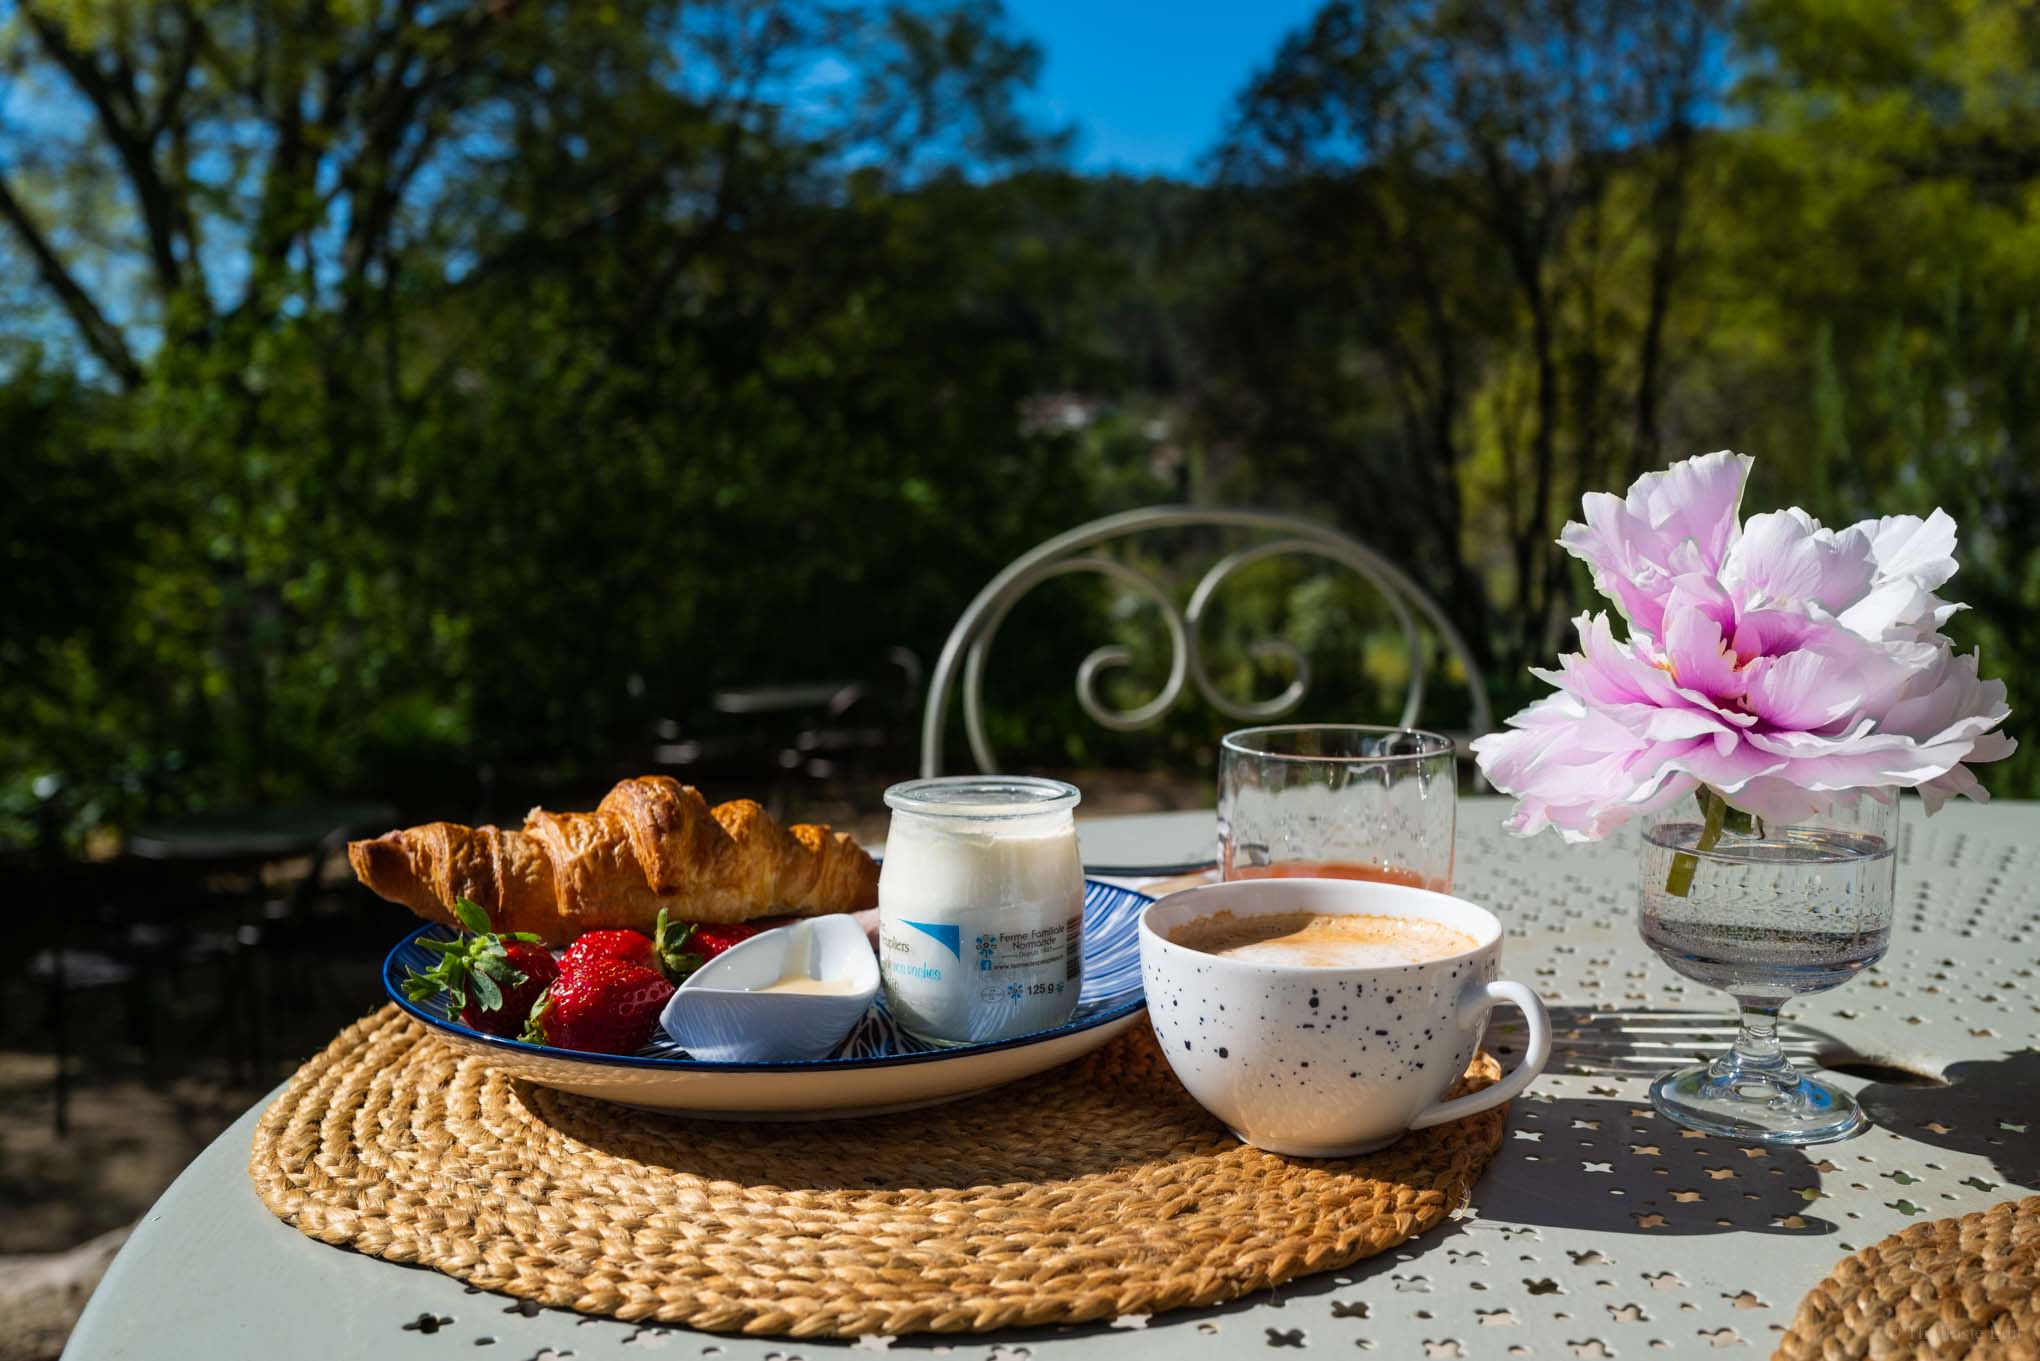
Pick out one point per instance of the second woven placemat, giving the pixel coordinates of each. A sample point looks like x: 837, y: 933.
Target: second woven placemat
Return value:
x: 1964, y: 1289
x: 1096, y: 1190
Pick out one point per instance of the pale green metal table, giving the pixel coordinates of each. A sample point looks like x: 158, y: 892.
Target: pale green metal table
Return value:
x: 1599, y: 1231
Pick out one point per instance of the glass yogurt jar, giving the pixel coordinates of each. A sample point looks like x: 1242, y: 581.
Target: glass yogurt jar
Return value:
x: 981, y: 907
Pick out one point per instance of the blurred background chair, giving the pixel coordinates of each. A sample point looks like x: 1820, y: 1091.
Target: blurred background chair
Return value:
x: 101, y: 928
x: 1430, y: 642
x: 198, y: 927
x: 259, y: 869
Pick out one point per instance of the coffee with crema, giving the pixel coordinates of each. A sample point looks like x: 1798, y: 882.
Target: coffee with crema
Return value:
x: 1323, y: 940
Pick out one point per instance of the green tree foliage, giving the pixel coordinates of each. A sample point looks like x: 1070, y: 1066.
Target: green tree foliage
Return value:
x: 488, y: 379
x: 392, y: 387
x: 70, y: 537
x: 1886, y: 240
x: 1471, y: 217
x: 1480, y: 258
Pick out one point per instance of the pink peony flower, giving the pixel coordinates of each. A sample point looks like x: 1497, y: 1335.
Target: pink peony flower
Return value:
x: 1777, y: 662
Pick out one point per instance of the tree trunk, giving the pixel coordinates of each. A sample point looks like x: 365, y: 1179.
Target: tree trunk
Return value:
x: 1535, y: 529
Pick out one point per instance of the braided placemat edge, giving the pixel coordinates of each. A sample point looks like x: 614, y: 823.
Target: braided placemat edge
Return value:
x: 1947, y: 1288
x: 745, y: 1255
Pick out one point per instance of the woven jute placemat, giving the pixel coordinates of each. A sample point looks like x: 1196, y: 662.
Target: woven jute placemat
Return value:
x: 1940, y: 1290
x: 1096, y: 1190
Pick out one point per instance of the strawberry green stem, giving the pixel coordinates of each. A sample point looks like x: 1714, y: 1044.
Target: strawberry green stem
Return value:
x: 669, y: 940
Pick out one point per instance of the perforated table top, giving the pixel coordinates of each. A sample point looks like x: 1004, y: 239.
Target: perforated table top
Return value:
x: 1601, y: 1230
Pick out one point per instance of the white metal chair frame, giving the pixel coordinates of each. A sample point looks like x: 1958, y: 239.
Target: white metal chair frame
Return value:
x: 1067, y: 554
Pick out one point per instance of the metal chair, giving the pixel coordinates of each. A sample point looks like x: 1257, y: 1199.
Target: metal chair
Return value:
x: 1073, y: 552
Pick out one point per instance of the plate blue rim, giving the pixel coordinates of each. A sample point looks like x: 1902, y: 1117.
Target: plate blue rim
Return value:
x: 1135, y: 1002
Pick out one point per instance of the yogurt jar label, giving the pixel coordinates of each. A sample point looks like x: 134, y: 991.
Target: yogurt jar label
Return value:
x: 980, y: 974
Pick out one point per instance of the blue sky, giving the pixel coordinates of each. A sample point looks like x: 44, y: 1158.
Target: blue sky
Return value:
x: 1149, y: 85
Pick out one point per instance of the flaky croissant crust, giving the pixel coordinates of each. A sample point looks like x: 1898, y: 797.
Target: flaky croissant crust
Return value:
x: 652, y: 843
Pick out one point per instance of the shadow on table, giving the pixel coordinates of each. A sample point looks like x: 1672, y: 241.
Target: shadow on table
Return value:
x: 1989, y: 1108
x: 1618, y: 1167
x: 1607, y: 1168
x: 1642, y: 1042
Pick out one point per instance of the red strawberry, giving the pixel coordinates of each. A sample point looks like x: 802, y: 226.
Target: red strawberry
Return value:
x: 710, y: 940
x: 490, y: 981
x: 629, y: 947
x: 660, y: 952
x: 532, y: 970
x: 601, y: 1006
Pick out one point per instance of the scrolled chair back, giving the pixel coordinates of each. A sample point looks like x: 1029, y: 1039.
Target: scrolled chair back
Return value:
x: 1074, y: 552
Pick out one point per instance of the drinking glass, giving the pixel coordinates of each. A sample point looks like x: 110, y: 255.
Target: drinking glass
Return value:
x: 1337, y: 801
x: 1767, y: 913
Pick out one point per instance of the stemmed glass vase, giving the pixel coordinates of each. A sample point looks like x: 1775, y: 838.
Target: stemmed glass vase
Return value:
x: 1766, y: 913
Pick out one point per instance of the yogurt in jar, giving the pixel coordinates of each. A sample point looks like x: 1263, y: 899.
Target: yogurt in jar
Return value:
x: 981, y: 907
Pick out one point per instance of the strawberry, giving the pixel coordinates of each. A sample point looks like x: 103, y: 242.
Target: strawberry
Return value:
x: 600, y: 1006
x: 660, y: 952
x: 490, y: 980
x: 710, y: 940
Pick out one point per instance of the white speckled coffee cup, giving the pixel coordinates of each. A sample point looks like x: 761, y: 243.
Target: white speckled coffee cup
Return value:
x: 1327, y: 1062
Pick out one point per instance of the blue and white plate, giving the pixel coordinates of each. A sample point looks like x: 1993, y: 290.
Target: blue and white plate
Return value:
x: 878, y: 1068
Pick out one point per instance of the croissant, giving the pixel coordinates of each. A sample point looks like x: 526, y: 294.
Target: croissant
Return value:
x: 652, y: 843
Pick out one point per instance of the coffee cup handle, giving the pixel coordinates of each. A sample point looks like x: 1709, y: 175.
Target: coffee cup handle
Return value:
x: 1483, y: 999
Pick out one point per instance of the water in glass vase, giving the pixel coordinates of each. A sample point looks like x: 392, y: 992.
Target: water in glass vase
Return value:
x: 1768, y: 918
x: 1766, y: 915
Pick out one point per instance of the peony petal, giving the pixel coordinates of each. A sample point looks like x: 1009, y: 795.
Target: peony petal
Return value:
x: 1780, y: 801
x: 1906, y: 765
x: 1701, y: 592
x: 1579, y: 769
x: 1992, y: 746
x: 1700, y: 659
x: 1784, y: 556
x: 1958, y: 781
x: 1893, y: 609
x: 1681, y: 520
x: 1727, y: 771
x: 1610, y: 673
x: 1604, y: 671
x: 1909, y: 548
x: 1913, y: 556
x: 1696, y: 500
x: 1861, y: 759
x: 1948, y: 700
x: 1674, y: 725
x: 1832, y: 676
x: 1614, y: 543
x: 1799, y: 690
x: 1766, y: 633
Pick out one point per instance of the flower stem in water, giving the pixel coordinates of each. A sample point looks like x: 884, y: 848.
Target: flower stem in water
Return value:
x: 1679, y: 882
